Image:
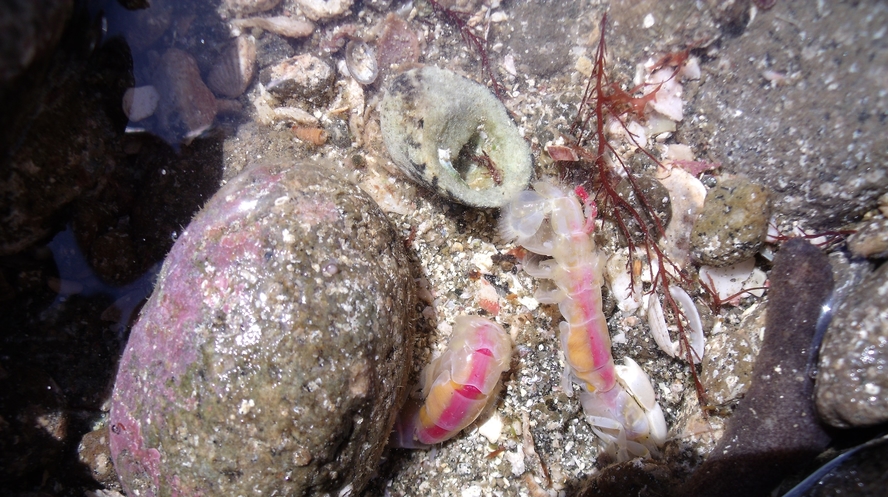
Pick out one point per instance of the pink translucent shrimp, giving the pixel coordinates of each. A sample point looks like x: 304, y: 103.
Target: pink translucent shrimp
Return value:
x: 457, y: 385
x: 619, y: 401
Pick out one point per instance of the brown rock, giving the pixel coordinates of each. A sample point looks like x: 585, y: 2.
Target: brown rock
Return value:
x: 187, y: 107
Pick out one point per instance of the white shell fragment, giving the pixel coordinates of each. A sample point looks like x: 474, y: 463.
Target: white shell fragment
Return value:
x: 728, y: 280
x: 695, y: 338
x: 360, y: 58
x: 626, y: 292
x: 280, y: 25
x: 453, y: 136
x: 686, y: 195
x: 657, y: 321
x: 324, y: 9
x: 660, y: 330
x: 140, y: 102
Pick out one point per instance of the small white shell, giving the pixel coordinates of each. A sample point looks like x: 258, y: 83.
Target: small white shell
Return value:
x: 360, y: 58
x: 140, y: 102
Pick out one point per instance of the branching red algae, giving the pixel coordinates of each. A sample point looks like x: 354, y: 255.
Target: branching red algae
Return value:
x: 604, y: 98
x: 459, y: 20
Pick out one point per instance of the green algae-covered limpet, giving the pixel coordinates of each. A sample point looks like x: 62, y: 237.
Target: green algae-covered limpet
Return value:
x: 452, y: 135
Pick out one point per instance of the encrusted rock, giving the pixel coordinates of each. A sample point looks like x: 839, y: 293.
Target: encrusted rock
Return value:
x: 324, y: 9
x: 398, y: 44
x: 730, y: 357
x: 301, y: 77
x: 733, y: 223
x: 851, y: 380
x: 250, y: 6
x: 93, y: 452
x: 271, y: 357
x: 871, y: 240
x: 453, y: 136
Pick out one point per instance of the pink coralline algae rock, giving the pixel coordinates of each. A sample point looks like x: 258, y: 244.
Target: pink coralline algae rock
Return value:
x: 272, y: 354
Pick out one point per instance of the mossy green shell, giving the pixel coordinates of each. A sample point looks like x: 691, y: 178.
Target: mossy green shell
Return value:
x: 440, y: 128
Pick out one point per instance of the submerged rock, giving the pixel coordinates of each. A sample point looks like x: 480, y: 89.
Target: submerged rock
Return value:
x: 733, y: 223
x: 774, y: 430
x: 453, y: 136
x: 303, y: 77
x: 270, y: 357
x: 187, y: 107
x: 851, y: 380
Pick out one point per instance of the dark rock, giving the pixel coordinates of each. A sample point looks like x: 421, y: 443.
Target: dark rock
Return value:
x: 851, y: 381
x: 33, y: 423
x: 272, y: 355
x: 70, y: 146
x: 859, y: 472
x: 29, y: 33
x: 775, y: 430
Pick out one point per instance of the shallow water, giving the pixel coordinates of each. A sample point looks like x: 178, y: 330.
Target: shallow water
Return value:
x: 792, y: 97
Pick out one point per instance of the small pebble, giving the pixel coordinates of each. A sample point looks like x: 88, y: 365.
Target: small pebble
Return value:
x: 733, y: 223
x: 301, y: 77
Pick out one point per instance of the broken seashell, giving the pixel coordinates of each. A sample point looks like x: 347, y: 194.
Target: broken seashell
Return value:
x: 727, y: 281
x: 280, y: 25
x: 687, y: 195
x: 452, y: 135
x: 360, y: 59
x: 234, y: 69
x: 294, y: 114
x: 660, y: 331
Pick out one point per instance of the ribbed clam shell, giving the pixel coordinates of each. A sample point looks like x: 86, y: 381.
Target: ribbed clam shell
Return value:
x: 234, y: 69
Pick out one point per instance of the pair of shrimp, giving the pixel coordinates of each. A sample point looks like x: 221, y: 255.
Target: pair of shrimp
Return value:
x: 619, y: 401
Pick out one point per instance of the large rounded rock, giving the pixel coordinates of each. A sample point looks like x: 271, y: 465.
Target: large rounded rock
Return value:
x: 268, y: 360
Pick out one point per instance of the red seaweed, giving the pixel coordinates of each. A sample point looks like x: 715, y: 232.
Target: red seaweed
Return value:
x: 459, y: 20
x: 603, y: 99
